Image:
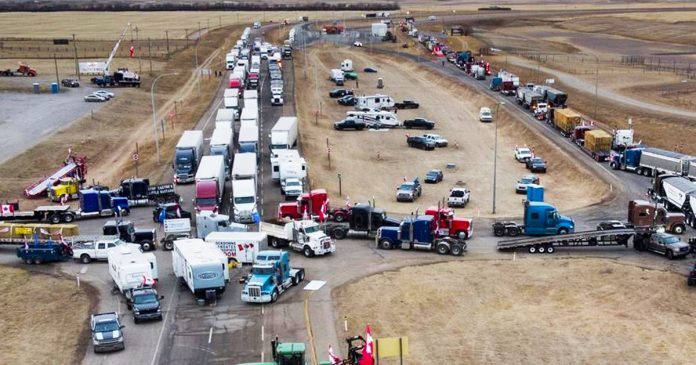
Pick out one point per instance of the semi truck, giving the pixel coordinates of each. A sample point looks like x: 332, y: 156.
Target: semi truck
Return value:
x: 210, y: 183
x: 450, y: 225
x: 130, y: 268
x: 363, y: 221
x: 540, y: 219
x: 208, y: 222
x: 187, y: 156
x: 199, y: 265
x: 248, y: 139
x: 68, y: 188
x: 140, y: 192
x: 244, y: 201
x: 245, y: 167
x: 303, y: 236
x: 250, y: 114
x: 146, y: 238
x: 308, y: 203
x: 418, y: 233
x: 597, y: 144
x: 677, y: 193
x: 565, y: 120
x: 226, y: 115
x: 645, y: 160
x: 271, y: 275
x: 642, y: 215
x: 240, y: 247
x: 221, y: 144
x: 284, y: 134
x: 93, y: 204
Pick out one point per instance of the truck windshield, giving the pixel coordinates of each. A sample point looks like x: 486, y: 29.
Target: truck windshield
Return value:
x: 145, y: 299
x: 106, y: 327
x: 279, y: 146
x: 311, y: 229
x: 206, y: 201
x: 406, y: 187
x: 262, y: 271
x: 292, y: 183
x: 243, y: 199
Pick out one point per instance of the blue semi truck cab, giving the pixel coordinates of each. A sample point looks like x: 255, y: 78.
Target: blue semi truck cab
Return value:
x: 271, y: 275
x: 627, y: 160
x: 418, y: 233
x: 540, y: 219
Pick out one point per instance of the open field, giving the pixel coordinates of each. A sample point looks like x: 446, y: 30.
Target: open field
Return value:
x: 108, y: 139
x: 43, y: 321
x: 666, y: 27
x: 528, y: 311
x: 383, y: 159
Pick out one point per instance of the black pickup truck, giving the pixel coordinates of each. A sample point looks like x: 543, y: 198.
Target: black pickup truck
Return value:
x: 419, y: 123
x: 420, y: 142
x: 406, y: 104
x: 146, y: 238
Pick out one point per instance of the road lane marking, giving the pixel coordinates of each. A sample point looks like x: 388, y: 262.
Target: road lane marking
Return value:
x: 164, y: 322
x: 263, y: 332
x: 210, y: 335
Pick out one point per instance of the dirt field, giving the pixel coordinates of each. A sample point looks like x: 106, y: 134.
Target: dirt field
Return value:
x: 108, y: 140
x: 44, y: 320
x: 528, y: 311
x: 382, y: 159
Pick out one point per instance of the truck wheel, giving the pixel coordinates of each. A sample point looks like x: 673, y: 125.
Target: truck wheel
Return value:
x: 146, y: 245
x: 28, y: 261
x: 462, y: 235
x: 385, y: 245
x: 125, y: 212
x: 550, y: 249
x: 274, y: 296
x: 275, y: 243
x: 68, y: 218
x: 443, y: 249
x: 300, y: 276
x: 532, y: 249
x: 499, y: 232
x: 85, y: 259
x: 308, y: 251
x: 54, y: 218
x: 339, y: 217
x: 513, y: 232
x: 168, y: 245
x: 614, y: 166
x: 457, y: 250
x: 678, y: 229
x: 563, y: 231
x: 338, y: 233
x: 541, y: 249
x: 670, y: 255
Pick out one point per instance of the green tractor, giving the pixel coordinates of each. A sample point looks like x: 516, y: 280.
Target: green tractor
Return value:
x: 291, y: 353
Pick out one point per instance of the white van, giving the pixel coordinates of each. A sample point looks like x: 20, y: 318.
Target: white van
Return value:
x: 337, y: 77
x: 374, y: 102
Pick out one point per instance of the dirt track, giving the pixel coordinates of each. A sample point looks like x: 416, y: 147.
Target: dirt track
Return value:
x: 381, y: 159
x: 529, y: 311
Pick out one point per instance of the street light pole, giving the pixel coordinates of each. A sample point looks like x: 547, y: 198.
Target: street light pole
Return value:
x: 154, y: 113
x: 495, y: 152
x: 596, y: 85
x: 198, y: 76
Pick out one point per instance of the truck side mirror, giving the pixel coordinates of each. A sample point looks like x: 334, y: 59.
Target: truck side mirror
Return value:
x: 161, y: 297
x: 122, y: 326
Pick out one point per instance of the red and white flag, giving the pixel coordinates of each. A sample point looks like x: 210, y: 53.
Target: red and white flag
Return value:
x: 333, y: 358
x: 324, y: 209
x: 7, y: 209
x: 132, y: 51
x: 348, y: 204
x: 368, y: 351
x: 305, y: 215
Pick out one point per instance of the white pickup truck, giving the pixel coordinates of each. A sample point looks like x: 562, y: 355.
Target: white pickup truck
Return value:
x: 302, y: 236
x: 98, y: 249
x: 459, y: 197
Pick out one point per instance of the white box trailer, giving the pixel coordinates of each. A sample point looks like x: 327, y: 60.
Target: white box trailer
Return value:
x: 244, y: 167
x: 248, y: 139
x: 374, y: 102
x: 240, y: 247
x: 250, y: 94
x: 244, y: 200
x: 292, y: 168
x: 284, y: 133
x: 232, y: 92
x: 130, y: 268
x: 226, y: 115
x: 250, y: 115
x: 199, y: 265
x: 231, y: 102
x: 221, y: 143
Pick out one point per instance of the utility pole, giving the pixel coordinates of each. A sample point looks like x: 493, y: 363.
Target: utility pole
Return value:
x: 596, y: 86
x: 186, y: 34
x: 495, y: 152
x: 77, y: 65
x: 149, y: 50
x: 55, y: 62
x: 166, y: 33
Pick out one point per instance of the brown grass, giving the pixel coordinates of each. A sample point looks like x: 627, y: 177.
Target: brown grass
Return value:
x: 45, y: 318
x: 645, y: 28
x: 528, y: 311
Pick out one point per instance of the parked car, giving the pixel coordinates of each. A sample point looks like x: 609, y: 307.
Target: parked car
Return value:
x: 107, y: 334
x: 357, y: 44
x: 70, y: 83
x: 409, y: 191
x: 107, y: 94
x: 420, y: 142
x: 439, y: 141
x: 485, y: 114
x: 522, y: 154
x: 348, y: 100
x: 609, y: 225
x: 419, y: 123
x: 93, y: 98
x: 433, y: 176
x: 370, y: 70
x: 407, y: 104
x: 536, y: 164
x: 339, y: 93
x: 524, y: 182
x: 668, y: 245
x: 432, y: 17
x: 349, y: 123
x: 459, y: 197
x: 350, y: 75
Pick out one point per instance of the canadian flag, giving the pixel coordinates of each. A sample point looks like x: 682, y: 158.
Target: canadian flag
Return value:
x: 132, y: 51
x: 368, y: 350
x: 7, y: 209
x: 323, y: 210
x: 348, y: 205
x: 305, y: 214
x: 333, y: 358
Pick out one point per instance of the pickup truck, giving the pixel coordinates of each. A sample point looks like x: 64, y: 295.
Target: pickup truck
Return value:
x: 107, y: 334
x: 86, y: 252
x: 419, y: 123
x: 665, y: 244
x: 536, y: 164
x: 420, y: 142
x: 409, y: 191
x: 406, y: 104
x: 358, y: 125
x: 524, y: 182
x: 437, y: 139
x: 145, y: 304
x: 126, y: 231
x: 522, y: 154
x: 458, y: 197
x: 303, y: 236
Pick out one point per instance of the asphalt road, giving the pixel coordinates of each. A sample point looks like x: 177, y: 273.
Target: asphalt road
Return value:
x: 27, y: 119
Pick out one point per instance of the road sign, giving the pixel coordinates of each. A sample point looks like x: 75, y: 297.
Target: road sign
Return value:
x: 136, y: 157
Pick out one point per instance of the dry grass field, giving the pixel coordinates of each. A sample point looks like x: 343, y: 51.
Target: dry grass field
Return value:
x: 651, y: 27
x: 44, y: 318
x: 528, y: 311
x: 382, y: 158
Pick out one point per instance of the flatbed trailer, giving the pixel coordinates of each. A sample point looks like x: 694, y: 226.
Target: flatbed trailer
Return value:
x: 548, y: 244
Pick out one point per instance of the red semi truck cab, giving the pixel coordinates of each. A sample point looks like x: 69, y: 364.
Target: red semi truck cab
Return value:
x: 207, y: 196
x: 449, y: 225
x: 310, y: 202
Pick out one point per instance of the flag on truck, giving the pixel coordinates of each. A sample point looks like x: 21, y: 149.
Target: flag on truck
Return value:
x: 132, y: 51
x: 333, y: 358
x: 368, y: 350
